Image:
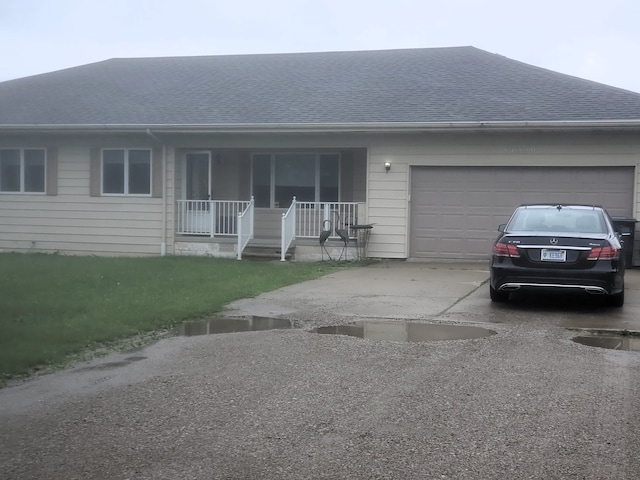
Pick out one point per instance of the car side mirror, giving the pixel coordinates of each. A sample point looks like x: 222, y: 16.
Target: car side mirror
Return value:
x: 501, y: 227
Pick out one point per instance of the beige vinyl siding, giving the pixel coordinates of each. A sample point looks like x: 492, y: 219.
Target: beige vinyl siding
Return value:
x: 51, y: 170
x: 95, y: 174
x: 169, y: 199
x: 77, y: 223
x: 387, y: 208
x: 388, y: 194
x: 156, y: 172
x: 176, y: 183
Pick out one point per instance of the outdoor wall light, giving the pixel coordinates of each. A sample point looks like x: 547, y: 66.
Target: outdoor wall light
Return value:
x: 387, y: 166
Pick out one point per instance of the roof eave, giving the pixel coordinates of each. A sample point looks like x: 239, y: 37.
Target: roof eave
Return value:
x: 374, y: 127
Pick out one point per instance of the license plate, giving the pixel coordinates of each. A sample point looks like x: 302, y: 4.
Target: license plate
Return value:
x: 553, y: 255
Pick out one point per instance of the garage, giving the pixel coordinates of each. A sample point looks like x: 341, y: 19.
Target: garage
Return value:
x: 455, y: 211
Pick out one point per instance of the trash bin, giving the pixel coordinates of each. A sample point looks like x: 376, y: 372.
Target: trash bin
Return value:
x: 626, y: 227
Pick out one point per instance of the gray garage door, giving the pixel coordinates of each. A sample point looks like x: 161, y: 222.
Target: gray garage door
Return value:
x: 455, y: 211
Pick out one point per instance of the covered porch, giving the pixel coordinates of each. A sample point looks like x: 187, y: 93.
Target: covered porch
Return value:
x: 284, y: 201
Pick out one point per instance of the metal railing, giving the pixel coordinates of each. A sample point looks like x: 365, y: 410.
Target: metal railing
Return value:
x: 245, y: 228
x: 288, y: 229
x: 314, y: 217
x: 209, y: 217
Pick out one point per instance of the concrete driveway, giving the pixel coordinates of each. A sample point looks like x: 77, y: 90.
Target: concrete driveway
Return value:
x: 452, y: 292
x: 527, y: 402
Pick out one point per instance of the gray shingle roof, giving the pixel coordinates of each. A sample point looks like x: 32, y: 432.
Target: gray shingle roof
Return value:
x: 460, y: 84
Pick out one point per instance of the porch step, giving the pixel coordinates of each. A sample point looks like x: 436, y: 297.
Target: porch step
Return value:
x: 266, y: 250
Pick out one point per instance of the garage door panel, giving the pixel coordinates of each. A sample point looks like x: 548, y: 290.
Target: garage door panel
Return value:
x: 453, y: 198
x: 503, y: 196
x: 452, y: 221
x: 477, y: 248
x: 455, y: 211
x: 614, y: 198
x: 480, y: 198
x: 431, y: 198
x: 478, y: 222
x: 451, y: 245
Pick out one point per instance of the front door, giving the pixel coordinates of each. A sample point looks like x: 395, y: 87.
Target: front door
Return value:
x: 198, y: 176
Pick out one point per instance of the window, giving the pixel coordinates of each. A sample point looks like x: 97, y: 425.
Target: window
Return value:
x: 22, y: 170
x: 555, y: 220
x: 310, y: 177
x: 126, y: 172
x: 295, y: 176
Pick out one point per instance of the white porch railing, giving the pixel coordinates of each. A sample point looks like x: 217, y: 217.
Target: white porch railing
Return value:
x: 288, y: 229
x: 245, y: 227
x: 230, y: 218
x: 209, y: 217
x: 314, y: 217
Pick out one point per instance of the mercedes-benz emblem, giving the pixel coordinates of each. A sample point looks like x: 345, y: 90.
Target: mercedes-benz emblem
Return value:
x: 553, y: 241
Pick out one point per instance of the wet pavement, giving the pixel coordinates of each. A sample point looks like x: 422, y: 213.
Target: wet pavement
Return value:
x: 525, y: 402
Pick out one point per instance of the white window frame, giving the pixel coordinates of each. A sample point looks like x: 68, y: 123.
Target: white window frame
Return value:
x: 126, y: 173
x: 22, y: 172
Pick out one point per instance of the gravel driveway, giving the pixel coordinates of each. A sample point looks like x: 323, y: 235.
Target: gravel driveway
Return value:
x: 291, y: 404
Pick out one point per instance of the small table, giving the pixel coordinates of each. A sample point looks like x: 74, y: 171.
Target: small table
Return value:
x: 362, y: 234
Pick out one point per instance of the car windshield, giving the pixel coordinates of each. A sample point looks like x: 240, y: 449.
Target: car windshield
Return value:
x: 557, y: 220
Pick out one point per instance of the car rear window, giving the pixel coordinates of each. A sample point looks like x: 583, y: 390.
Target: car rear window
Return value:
x: 557, y: 220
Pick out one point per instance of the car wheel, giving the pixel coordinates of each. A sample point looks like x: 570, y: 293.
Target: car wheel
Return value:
x: 497, y: 296
x: 616, y: 300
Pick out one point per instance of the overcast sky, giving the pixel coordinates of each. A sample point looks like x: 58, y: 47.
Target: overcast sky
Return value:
x: 594, y: 39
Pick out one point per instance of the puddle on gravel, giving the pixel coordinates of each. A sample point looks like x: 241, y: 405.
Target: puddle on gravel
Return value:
x: 610, y: 341
x: 231, y: 325
x: 402, y: 331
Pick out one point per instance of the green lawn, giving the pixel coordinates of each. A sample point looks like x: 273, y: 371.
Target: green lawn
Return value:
x: 54, y: 306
